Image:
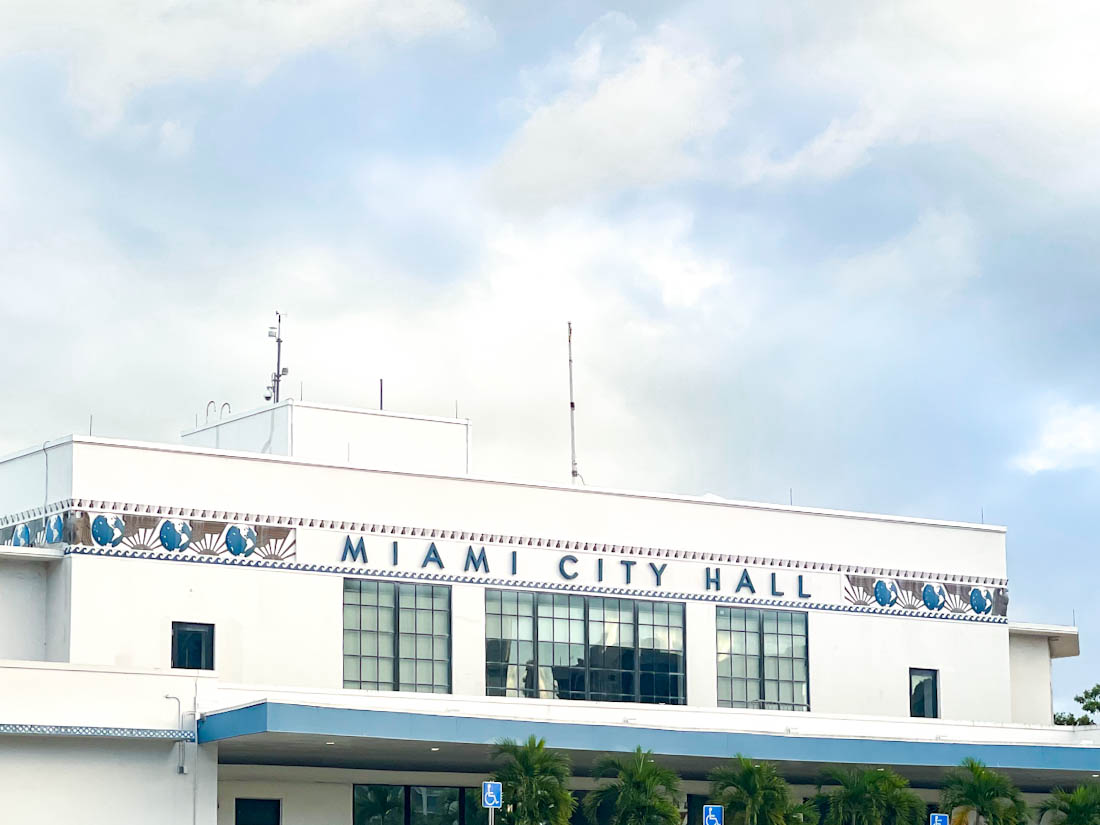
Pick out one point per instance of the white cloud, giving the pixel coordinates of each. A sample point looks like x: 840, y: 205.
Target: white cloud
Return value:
x: 937, y: 256
x: 116, y: 48
x: 175, y: 138
x: 1013, y: 82
x: 1069, y: 438
x: 844, y: 145
x: 630, y: 115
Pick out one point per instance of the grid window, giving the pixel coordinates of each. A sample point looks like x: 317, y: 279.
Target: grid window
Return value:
x: 397, y: 636
x: 924, y: 693
x: 763, y: 659
x: 575, y: 647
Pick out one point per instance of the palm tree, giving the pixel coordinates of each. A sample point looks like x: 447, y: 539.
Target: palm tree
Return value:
x: 901, y: 805
x: 379, y: 804
x: 533, y: 782
x: 755, y: 794
x: 642, y: 793
x: 868, y: 797
x: 973, y: 791
x: 1081, y: 806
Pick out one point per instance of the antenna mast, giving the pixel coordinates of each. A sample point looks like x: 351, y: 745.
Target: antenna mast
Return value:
x: 276, y: 332
x: 576, y: 475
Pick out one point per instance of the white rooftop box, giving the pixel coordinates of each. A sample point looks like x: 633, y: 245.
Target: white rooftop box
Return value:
x: 377, y: 439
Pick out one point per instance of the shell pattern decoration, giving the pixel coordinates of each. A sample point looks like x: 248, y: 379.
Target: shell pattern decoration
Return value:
x: 886, y: 595
x: 107, y: 531
x: 240, y: 540
x: 981, y: 601
x: 175, y: 534
x: 933, y: 597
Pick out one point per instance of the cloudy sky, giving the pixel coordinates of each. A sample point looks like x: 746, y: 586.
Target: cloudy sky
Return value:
x: 845, y: 248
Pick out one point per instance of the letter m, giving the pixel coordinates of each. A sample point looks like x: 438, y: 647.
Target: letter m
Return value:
x: 357, y: 553
x: 477, y: 562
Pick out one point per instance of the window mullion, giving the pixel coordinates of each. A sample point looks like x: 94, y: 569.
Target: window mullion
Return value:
x: 637, y: 657
x: 587, y: 653
x: 760, y: 704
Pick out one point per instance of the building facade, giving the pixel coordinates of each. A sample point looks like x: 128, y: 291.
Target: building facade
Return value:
x: 310, y: 614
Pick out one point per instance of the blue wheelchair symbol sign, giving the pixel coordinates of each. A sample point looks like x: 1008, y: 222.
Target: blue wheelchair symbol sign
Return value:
x: 490, y: 795
x: 937, y: 819
x: 712, y: 815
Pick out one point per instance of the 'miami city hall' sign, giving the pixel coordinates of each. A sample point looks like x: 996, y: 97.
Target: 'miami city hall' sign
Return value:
x: 598, y: 570
x: 654, y: 574
x: 521, y: 563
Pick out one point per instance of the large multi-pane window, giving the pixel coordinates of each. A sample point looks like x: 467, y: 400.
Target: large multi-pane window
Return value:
x: 579, y: 647
x: 397, y: 636
x: 416, y: 805
x: 763, y: 659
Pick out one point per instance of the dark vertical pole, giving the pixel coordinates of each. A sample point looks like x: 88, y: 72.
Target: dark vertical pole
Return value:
x: 380, y: 394
x: 278, y: 356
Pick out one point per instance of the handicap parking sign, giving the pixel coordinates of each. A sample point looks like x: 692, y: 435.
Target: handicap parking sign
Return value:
x: 490, y: 795
x: 937, y: 819
x: 712, y: 815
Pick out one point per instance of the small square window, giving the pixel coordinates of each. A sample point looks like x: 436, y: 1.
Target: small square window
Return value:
x: 257, y: 812
x: 924, y: 693
x: 193, y: 645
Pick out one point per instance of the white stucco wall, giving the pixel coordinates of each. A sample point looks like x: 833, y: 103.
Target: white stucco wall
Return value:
x: 262, y: 431
x: 1029, y: 661
x: 271, y: 627
x: 104, y: 782
x: 35, y: 476
x: 382, y: 440
x: 58, y: 612
x: 468, y: 640
x: 22, y: 609
x: 860, y: 664
x: 156, y: 474
x: 285, y: 628
x: 318, y: 802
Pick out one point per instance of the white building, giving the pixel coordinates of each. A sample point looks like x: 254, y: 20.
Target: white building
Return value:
x: 299, y: 603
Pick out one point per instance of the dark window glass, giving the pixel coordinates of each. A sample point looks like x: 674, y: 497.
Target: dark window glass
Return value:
x: 923, y: 693
x: 433, y: 806
x: 257, y: 812
x: 557, y: 645
x: 416, y: 805
x: 193, y: 645
x: 378, y: 805
x: 397, y: 636
x: 763, y: 659
x: 475, y: 814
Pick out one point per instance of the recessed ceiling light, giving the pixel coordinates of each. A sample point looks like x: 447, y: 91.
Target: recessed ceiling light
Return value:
x: 435, y: 749
x: 330, y: 743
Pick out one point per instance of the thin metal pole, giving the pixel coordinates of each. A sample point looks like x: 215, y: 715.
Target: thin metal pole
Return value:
x: 575, y: 473
x: 379, y: 393
x: 278, y: 355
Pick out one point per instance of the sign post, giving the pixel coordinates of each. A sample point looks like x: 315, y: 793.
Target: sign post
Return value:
x: 938, y: 819
x: 491, y: 797
x: 715, y: 814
